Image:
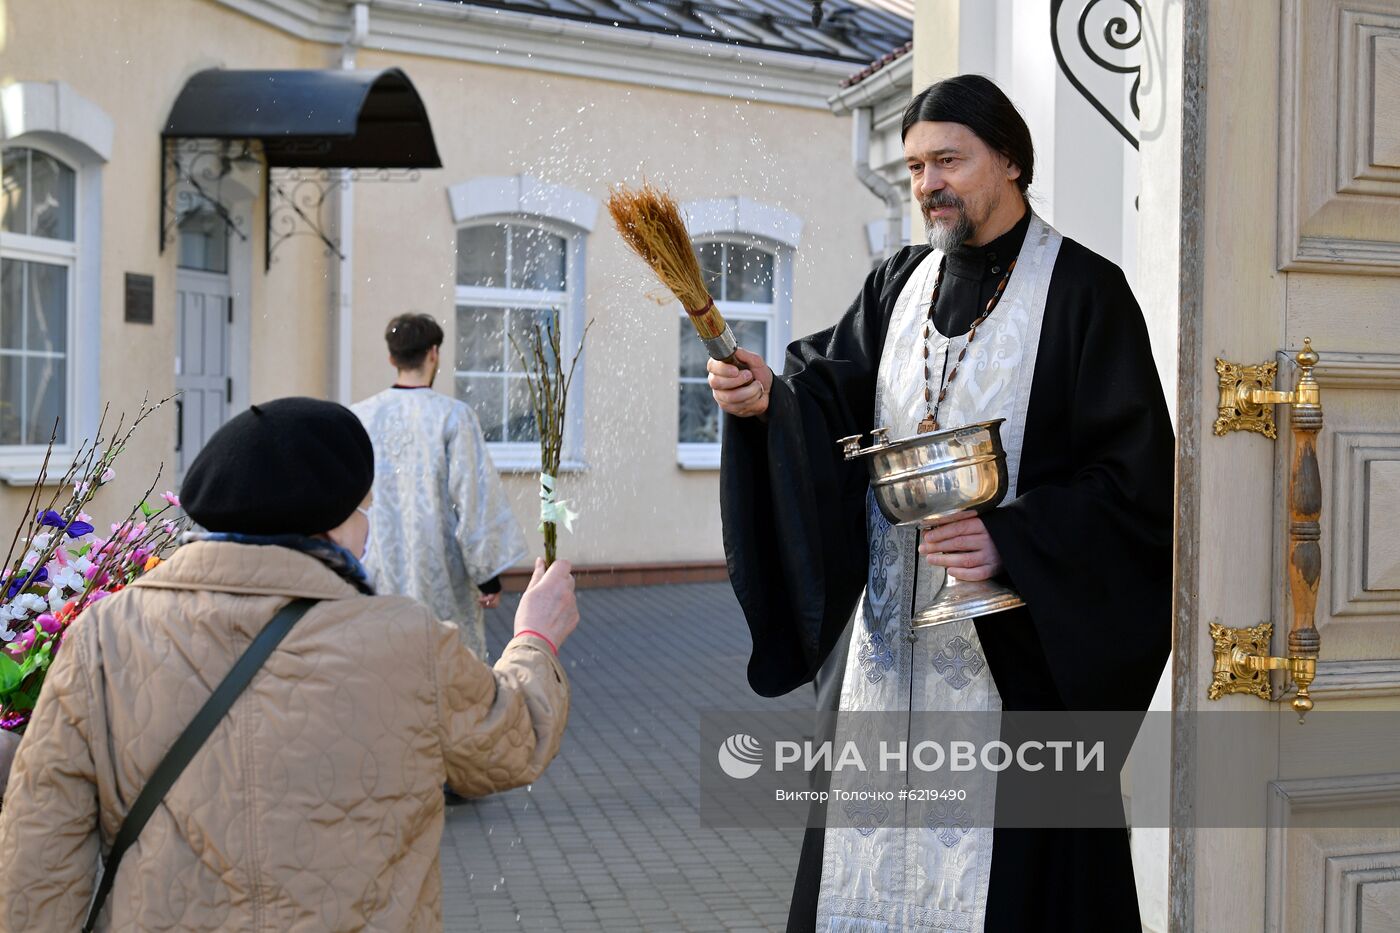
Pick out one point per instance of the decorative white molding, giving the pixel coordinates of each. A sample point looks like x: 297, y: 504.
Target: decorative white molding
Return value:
x: 54, y: 107
x: 1353, y: 454
x: 1356, y: 370
x: 1337, y: 680
x: 1367, y: 44
x: 506, y: 196
x: 1328, y: 84
x: 1346, y: 876
x: 560, y: 46
x: 745, y: 216
x: 1313, y: 794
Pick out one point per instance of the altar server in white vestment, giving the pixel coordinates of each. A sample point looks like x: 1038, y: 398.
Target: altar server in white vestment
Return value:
x: 441, y: 528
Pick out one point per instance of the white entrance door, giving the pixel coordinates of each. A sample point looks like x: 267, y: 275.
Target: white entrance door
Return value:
x: 205, y: 311
x: 1291, y: 230
x: 202, y: 360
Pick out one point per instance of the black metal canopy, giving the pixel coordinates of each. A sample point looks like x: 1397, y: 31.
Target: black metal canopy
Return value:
x: 310, y: 118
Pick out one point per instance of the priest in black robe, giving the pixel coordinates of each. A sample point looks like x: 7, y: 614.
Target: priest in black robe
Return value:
x: 1086, y: 540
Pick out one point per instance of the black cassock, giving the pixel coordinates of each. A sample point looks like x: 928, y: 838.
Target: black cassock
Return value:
x: 1087, y: 543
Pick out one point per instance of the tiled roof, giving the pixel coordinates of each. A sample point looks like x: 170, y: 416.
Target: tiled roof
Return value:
x: 851, y: 30
x: 886, y: 59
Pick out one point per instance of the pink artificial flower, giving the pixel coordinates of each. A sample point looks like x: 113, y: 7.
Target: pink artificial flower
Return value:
x: 22, y: 643
x: 85, y: 517
x: 170, y: 529
x: 49, y: 623
x: 107, y: 476
x: 170, y: 497
x: 98, y: 594
x: 80, y: 489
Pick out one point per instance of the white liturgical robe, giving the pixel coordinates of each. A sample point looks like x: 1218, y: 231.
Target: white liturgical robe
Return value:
x: 440, y: 524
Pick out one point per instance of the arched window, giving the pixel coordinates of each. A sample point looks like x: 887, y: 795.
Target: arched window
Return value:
x: 53, y: 145
x: 746, y: 250
x: 520, y: 261
x: 510, y: 276
x: 740, y: 277
x: 38, y: 255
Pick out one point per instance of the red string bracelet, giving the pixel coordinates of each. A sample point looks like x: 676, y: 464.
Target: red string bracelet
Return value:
x: 530, y: 631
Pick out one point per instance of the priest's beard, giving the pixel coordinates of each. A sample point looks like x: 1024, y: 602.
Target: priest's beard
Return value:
x: 944, y: 235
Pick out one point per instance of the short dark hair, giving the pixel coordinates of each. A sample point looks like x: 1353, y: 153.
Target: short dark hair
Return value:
x: 981, y: 106
x: 410, y: 337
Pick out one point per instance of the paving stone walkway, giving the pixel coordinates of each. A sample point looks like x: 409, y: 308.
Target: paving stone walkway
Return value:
x: 610, y: 838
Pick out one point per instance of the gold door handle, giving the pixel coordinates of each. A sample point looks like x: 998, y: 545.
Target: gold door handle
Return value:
x: 1242, y: 659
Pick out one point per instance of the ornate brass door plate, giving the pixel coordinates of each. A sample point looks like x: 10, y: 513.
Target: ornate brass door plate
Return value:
x: 1238, y: 410
x: 1232, y: 646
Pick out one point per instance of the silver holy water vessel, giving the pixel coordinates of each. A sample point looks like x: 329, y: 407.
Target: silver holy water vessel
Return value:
x: 921, y: 479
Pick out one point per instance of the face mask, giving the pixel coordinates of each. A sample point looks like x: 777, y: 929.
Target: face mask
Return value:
x: 364, y: 554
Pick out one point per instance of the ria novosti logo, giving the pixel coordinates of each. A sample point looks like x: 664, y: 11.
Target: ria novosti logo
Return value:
x: 741, y: 756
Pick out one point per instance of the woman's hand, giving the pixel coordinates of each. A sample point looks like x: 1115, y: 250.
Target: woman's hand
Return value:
x: 548, y: 606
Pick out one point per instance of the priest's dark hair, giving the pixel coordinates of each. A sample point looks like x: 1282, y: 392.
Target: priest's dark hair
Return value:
x: 410, y: 337
x: 981, y: 106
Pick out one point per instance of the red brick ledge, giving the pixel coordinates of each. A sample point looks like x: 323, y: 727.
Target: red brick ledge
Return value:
x: 646, y: 574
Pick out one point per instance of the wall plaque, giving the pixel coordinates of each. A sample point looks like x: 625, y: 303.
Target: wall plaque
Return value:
x: 140, y: 299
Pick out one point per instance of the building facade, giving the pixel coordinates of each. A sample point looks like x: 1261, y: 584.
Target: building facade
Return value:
x: 138, y: 265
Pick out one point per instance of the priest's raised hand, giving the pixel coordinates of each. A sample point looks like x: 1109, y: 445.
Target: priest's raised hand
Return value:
x: 741, y: 392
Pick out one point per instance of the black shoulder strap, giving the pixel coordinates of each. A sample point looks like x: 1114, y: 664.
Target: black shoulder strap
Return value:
x: 188, y: 745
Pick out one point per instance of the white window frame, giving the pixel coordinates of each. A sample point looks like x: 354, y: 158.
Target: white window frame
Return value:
x: 23, y: 460
x: 777, y: 315
x: 524, y: 456
x: 566, y: 212
x: 746, y: 222
x: 50, y: 117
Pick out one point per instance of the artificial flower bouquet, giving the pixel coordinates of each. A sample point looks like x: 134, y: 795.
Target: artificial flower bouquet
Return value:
x: 64, y: 565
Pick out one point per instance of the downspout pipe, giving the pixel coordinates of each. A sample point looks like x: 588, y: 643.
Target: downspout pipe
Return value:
x: 894, y: 196
x: 343, y: 300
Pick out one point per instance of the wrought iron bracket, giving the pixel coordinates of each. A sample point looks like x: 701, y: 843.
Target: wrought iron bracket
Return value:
x: 191, y: 176
x: 1119, y: 36
x: 298, y: 202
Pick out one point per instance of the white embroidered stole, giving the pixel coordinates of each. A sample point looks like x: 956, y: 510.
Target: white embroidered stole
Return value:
x: 922, y: 864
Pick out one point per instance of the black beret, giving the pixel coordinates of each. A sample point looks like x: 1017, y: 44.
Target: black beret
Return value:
x: 291, y: 466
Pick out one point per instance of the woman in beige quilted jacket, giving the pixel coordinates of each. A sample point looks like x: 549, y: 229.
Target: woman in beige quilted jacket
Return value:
x: 316, y: 804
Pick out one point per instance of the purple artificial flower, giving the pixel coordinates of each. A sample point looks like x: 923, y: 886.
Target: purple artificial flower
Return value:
x: 22, y: 643
x: 15, y: 721
x: 75, y: 528
x: 49, y: 623
x: 20, y: 580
